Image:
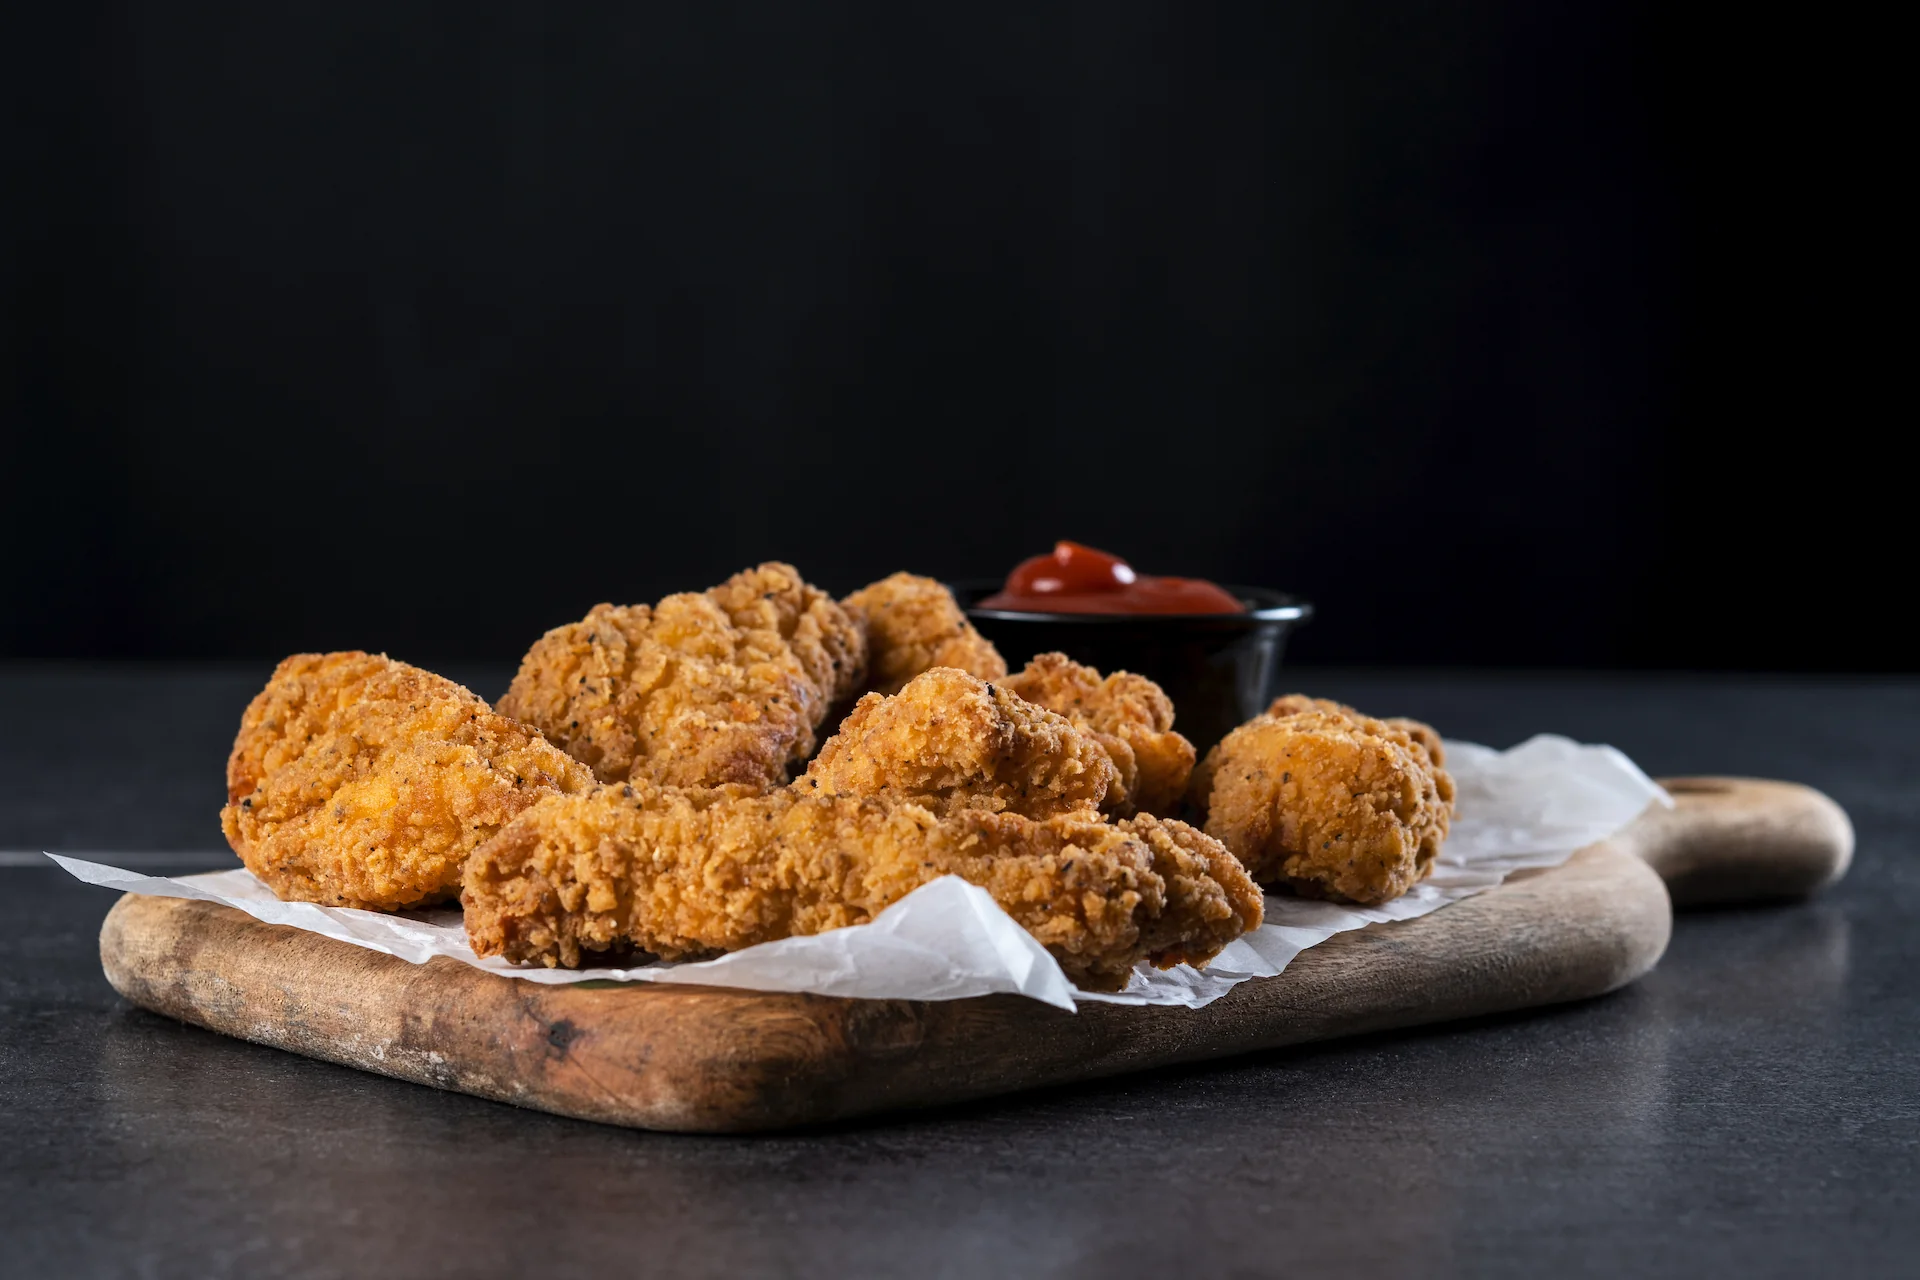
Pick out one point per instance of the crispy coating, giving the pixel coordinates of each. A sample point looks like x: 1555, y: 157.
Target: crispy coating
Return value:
x: 951, y: 741
x: 913, y: 624
x: 1326, y: 804
x: 674, y: 693
x: 682, y: 874
x: 1425, y: 734
x: 357, y: 781
x: 830, y: 642
x: 1131, y: 717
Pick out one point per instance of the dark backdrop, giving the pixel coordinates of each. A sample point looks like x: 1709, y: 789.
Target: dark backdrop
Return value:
x: 424, y: 327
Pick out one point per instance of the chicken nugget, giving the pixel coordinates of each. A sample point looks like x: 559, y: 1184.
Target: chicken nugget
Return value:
x: 952, y: 741
x: 913, y: 624
x: 682, y: 874
x: 1326, y: 805
x: 673, y: 693
x: 1425, y: 734
x: 357, y: 781
x: 1129, y: 715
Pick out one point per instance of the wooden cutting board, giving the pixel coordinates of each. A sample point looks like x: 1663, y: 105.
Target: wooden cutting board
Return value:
x: 658, y: 1056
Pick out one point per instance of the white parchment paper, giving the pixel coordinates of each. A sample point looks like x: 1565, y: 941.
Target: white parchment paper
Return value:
x: 1531, y: 806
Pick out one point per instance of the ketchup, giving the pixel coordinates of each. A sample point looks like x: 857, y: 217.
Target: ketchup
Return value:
x: 1077, y: 579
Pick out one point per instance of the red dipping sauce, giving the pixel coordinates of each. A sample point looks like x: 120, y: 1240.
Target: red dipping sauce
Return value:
x: 1077, y: 579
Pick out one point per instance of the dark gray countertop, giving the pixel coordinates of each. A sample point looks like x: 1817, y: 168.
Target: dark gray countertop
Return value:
x: 1751, y: 1107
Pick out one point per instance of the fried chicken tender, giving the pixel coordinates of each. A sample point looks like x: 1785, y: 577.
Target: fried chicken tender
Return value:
x: 1327, y: 804
x: 704, y: 688
x: 1129, y: 715
x: 687, y: 873
x: 951, y: 741
x: 357, y: 781
x: 913, y: 624
x: 1424, y: 734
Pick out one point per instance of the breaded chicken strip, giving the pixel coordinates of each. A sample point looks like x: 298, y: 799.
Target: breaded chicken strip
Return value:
x: 1326, y: 804
x: 682, y: 874
x: 678, y: 692
x: 1130, y: 715
x: 951, y: 741
x: 830, y: 642
x: 913, y: 624
x: 357, y: 781
x: 1424, y: 734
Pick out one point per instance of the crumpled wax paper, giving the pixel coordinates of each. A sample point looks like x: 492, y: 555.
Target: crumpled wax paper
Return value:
x: 1530, y: 806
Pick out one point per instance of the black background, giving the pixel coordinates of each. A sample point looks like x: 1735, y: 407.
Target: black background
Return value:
x: 422, y: 328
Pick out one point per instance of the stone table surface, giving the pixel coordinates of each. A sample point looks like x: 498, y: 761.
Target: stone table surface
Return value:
x: 1752, y: 1107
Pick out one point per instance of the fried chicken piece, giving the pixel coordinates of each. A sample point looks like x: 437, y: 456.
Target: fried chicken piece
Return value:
x: 1129, y: 715
x: 674, y: 693
x: 951, y: 741
x: 829, y: 641
x: 683, y: 874
x: 1424, y: 734
x: 357, y: 781
x: 1326, y: 804
x: 913, y: 624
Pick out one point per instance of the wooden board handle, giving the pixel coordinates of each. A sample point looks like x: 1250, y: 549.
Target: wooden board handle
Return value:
x: 1735, y: 840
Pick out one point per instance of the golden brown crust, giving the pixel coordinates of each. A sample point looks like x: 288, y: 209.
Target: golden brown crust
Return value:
x: 952, y: 741
x: 913, y: 624
x: 1129, y: 714
x: 830, y: 642
x: 673, y: 693
x: 1326, y: 804
x: 682, y: 874
x: 1426, y: 737
x: 1191, y: 862
x: 1425, y: 734
x: 357, y: 781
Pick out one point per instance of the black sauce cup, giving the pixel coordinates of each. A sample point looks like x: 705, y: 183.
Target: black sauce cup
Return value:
x: 1219, y: 668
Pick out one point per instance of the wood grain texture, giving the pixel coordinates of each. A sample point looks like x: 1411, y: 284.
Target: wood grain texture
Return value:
x: 704, y: 1059
x: 1742, y: 840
